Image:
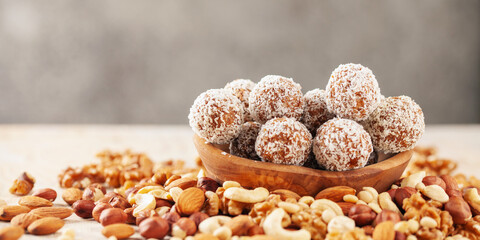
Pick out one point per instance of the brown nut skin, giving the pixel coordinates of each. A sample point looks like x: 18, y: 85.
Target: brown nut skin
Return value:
x: 402, y: 193
x: 144, y: 215
x: 454, y: 193
x: 459, y: 209
x: 387, y: 215
x: 392, y: 192
x: 434, y: 180
x: 400, y: 236
x: 130, y: 191
x: 362, y: 215
x: 207, y: 184
x: 98, y: 209
x: 72, y: 195
x: 162, y: 203
x: 345, y: 206
x: 99, y: 186
x: 171, y: 217
x: 92, y: 193
x: 112, y: 215
x: 46, y: 193
x: 119, y: 202
x: 255, y: 230
x: 83, y: 208
x: 154, y: 227
x: 368, y: 230
x: 450, y: 182
x: 187, y: 225
x: 130, y: 218
x: 198, y: 217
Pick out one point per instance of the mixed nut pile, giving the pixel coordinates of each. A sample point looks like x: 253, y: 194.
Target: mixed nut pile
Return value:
x: 169, y: 199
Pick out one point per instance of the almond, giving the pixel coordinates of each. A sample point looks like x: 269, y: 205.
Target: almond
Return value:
x: 46, y: 193
x: 46, y: 226
x: 384, y: 231
x: 24, y: 220
x: 284, y: 194
x: 182, y: 183
x: 34, y: 202
x: 8, y: 212
x: 72, y: 195
x: 335, y: 193
x: 118, y: 230
x: 59, y: 212
x: 190, y: 200
x: 11, y: 233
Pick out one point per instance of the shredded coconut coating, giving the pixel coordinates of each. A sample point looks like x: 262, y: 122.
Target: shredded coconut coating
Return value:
x: 342, y: 144
x: 284, y: 141
x: 315, y: 112
x: 352, y: 92
x: 216, y: 115
x: 244, y: 145
x: 396, y: 125
x: 274, y: 97
x: 241, y: 88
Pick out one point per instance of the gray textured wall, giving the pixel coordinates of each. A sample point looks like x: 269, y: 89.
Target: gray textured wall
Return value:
x: 117, y: 61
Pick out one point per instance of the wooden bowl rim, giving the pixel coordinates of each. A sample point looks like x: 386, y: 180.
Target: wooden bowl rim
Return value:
x: 392, y: 162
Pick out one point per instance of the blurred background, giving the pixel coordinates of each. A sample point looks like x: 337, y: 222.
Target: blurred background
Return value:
x: 144, y: 62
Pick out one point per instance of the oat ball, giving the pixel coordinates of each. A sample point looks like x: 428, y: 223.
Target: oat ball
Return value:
x: 216, y: 115
x: 241, y: 88
x: 244, y: 145
x: 396, y: 125
x: 342, y: 144
x: 352, y: 92
x: 276, y: 96
x: 315, y: 112
x: 284, y: 141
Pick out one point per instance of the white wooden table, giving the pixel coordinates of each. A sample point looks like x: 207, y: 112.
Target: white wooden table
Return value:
x: 44, y: 150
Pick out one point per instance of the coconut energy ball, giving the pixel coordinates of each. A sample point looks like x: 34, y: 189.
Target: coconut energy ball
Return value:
x: 352, y: 92
x: 342, y: 144
x: 396, y: 125
x: 241, y: 88
x: 244, y: 144
x: 276, y: 96
x: 284, y: 141
x: 216, y: 115
x: 315, y: 112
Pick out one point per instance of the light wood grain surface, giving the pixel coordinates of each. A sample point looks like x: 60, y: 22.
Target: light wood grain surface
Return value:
x: 44, y: 150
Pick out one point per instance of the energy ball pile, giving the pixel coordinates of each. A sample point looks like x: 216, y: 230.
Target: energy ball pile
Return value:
x: 345, y: 126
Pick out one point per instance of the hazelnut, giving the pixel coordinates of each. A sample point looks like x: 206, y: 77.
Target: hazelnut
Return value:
x: 99, y: 186
x: 362, y: 215
x: 98, y: 209
x: 402, y: 193
x: 434, y: 180
x: 162, y: 203
x: 112, y: 215
x: 46, y: 193
x: 144, y: 215
x: 207, y: 184
x: 459, y: 209
x: 83, y: 208
x: 119, y: 202
x: 171, y: 217
x: 198, y: 217
x: 105, y: 199
x: 386, y: 215
x: 392, y: 192
x: 72, y: 195
x: 184, y: 227
x: 92, y: 193
x: 159, y: 178
x: 113, y: 194
x: 130, y: 218
x: 154, y: 227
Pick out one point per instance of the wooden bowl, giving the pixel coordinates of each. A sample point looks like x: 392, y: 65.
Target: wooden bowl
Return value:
x: 222, y: 166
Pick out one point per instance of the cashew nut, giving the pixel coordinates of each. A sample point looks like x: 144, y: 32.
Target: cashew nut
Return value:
x: 328, y: 215
x: 229, y: 184
x: 385, y: 202
x: 223, y: 233
x: 144, y: 202
x: 324, y: 204
x: 341, y: 224
x: 211, y: 224
x: 306, y: 199
x: 246, y: 196
x: 273, y: 227
x: 413, y: 180
x: 212, y: 203
x: 289, y: 207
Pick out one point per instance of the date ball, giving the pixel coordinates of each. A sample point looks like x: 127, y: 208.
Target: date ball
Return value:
x: 352, y: 92
x: 275, y: 97
x: 241, y: 88
x: 244, y: 145
x: 216, y: 115
x: 342, y: 144
x: 396, y: 125
x: 284, y: 141
x: 315, y: 112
